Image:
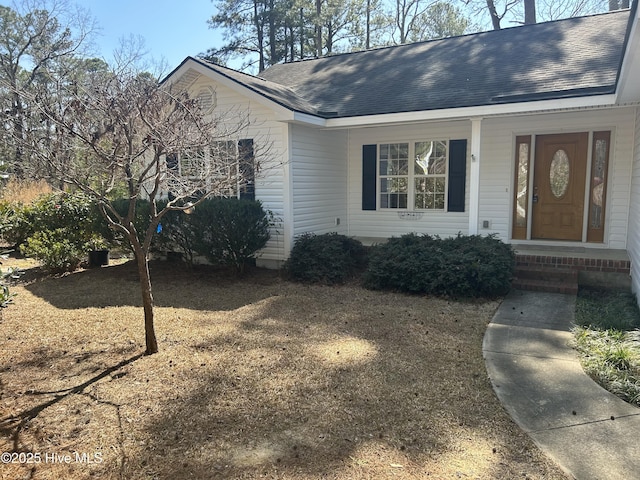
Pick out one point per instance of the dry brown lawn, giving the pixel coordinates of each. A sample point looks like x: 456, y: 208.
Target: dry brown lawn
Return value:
x: 259, y: 378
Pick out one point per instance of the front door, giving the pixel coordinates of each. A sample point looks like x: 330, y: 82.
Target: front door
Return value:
x: 558, y: 187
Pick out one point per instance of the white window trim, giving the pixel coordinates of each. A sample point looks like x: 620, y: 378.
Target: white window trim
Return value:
x: 412, y: 176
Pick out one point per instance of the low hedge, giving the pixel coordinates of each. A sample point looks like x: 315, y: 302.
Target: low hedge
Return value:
x: 461, y: 266
x: 329, y: 258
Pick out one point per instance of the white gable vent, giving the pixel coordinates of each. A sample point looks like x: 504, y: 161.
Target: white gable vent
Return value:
x: 206, y: 99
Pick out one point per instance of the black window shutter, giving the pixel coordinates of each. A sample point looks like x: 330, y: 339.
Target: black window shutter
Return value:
x: 369, y: 163
x: 247, y: 169
x: 457, y: 174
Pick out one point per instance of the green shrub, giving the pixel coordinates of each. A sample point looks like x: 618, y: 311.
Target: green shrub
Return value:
x: 69, y: 211
x: 55, y: 228
x: 229, y: 231
x: 461, y: 266
x: 329, y: 258
x: 15, y: 226
x: 6, y: 296
x: 178, y: 235
x: 72, y: 212
x: 55, y: 250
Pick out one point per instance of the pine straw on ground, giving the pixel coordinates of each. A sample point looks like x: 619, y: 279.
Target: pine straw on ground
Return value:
x: 259, y: 378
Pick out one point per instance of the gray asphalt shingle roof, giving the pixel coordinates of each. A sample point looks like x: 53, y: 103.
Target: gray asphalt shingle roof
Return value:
x: 560, y: 59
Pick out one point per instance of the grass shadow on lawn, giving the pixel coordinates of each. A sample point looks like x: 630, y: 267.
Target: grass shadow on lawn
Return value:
x: 260, y: 377
x: 360, y: 384
x: 12, y: 425
x: 175, y: 285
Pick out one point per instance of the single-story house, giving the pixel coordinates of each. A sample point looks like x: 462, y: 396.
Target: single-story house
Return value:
x: 531, y: 133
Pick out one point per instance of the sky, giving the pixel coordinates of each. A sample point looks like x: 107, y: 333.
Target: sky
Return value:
x: 172, y: 29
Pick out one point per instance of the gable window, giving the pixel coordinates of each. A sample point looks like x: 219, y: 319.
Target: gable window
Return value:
x: 419, y: 183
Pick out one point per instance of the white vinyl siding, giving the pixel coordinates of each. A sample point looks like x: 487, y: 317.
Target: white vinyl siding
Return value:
x: 386, y: 223
x: 497, y: 165
x: 270, y: 145
x: 633, y: 242
x: 319, y: 171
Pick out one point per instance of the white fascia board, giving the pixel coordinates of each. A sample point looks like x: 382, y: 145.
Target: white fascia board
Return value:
x: 628, y: 88
x: 542, y: 106
x: 306, y: 119
x: 281, y: 112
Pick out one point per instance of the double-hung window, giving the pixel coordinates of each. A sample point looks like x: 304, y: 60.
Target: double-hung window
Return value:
x: 394, y: 175
x: 226, y: 168
x: 413, y: 175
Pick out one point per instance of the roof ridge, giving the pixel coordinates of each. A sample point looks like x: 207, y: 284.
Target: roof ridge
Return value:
x: 210, y: 64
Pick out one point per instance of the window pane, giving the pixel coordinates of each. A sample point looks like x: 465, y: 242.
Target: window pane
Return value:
x: 424, y: 154
x: 394, y: 170
x: 559, y: 173
x: 429, y: 192
x: 598, y: 182
x: 399, y: 184
x: 430, y: 158
x: 403, y: 150
x: 384, y: 152
x: 522, y: 185
x: 192, y: 163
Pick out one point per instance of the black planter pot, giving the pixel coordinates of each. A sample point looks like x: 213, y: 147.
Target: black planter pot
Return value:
x: 97, y: 258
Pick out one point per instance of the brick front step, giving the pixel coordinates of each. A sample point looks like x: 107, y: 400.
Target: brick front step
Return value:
x: 547, y: 273
x: 577, y: 263
x: 545, y: 286
x: 545, y: 278
x: 563, y: 274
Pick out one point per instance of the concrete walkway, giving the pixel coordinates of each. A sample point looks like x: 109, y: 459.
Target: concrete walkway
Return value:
x: 588, y: 432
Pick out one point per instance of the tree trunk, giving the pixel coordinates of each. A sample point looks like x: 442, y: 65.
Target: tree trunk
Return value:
x: 495, y: 19
x: 147, y: 301
x: 302, y: 25
x: 368, y: 38
x: 259, y: 34
x: 529, y: 12
x: 273, y: 47
x: 318, y: 28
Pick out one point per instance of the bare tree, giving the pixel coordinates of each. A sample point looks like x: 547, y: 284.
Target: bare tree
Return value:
x: 35, y: 36
x: 154, y: 139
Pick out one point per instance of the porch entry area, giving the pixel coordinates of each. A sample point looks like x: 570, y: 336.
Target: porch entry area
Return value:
x: 564, y: 269
x: 560, y: 187
x: 560, y: 195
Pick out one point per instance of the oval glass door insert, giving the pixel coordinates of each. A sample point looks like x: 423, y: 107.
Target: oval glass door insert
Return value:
x: 559, y: 173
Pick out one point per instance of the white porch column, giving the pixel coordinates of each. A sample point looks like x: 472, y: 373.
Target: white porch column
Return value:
x: 287, y: 192
x: 474, y: 176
